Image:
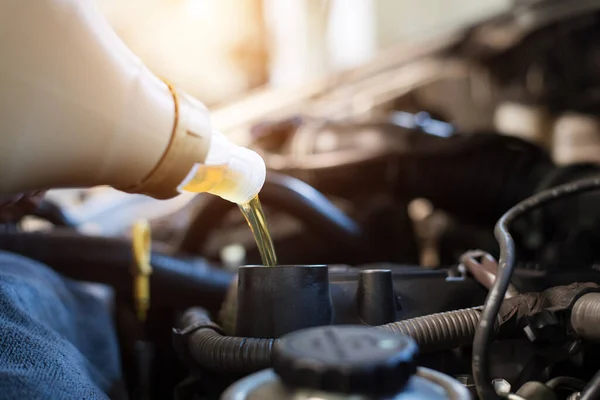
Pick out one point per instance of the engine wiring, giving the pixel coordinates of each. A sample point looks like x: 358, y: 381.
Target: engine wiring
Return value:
x: 485, y: 331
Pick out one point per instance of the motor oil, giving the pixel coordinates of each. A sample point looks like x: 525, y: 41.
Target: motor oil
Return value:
x: 211, y: 179
x: 255, y: 217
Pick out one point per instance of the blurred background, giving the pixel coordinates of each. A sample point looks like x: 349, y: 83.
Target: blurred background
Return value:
x: 250, y: 60
x: 405, y: 127
x: 218, y: 50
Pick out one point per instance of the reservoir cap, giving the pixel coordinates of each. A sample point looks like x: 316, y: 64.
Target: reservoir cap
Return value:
x: 346, y: 359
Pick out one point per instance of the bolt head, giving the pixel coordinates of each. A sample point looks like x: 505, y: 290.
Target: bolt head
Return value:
x: 501, y: 386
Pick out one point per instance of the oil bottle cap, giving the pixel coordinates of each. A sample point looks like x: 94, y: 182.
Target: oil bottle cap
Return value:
x: 346, y: 359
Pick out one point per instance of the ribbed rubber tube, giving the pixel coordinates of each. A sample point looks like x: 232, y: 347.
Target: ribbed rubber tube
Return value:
x: 585, y: 317
x: 210, y: 350
x: 445, y: 330
x: 213, y: 351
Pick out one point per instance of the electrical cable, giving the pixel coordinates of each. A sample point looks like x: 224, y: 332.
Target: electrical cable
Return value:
x: 485, y: 332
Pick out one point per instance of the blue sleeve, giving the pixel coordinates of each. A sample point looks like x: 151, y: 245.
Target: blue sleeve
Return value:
x: 57, y: 339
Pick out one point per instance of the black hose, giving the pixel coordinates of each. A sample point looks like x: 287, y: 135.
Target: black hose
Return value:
x: 52, y: 213
x: 444, y: 330
x: 566, y: 382
x: 289, y: 195
x: 591, y: 391
x: 175, y: 282
x: 485, y: 332
x: 211, y: 350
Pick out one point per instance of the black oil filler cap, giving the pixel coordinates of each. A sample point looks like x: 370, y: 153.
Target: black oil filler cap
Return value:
x: 345, y: 359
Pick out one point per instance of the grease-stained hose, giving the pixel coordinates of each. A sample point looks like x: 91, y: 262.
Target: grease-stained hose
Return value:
x: 202, y: 340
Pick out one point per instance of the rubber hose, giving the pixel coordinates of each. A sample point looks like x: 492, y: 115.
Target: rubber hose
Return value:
x: 591, y: 391
x: 486, y: 330
x: 568, y: 382
x: 211, y: 350
x: 52, y: 213
x: 444, y: 330
x: 585, y: 317
x: 175, y: 282
x: 288, y: 195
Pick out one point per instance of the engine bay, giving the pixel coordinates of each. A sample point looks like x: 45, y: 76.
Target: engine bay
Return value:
x: 448, y: 195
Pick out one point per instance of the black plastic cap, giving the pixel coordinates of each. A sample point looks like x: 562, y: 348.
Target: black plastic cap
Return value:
x: 346, y: 359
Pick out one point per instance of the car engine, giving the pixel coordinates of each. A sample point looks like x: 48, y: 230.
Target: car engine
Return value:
x: 441, y: 202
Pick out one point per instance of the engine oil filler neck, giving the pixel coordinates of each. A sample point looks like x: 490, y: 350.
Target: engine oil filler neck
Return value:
x: 281, y: 299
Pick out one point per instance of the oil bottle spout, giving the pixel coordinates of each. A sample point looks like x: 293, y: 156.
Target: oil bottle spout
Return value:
x: 232, y: 172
